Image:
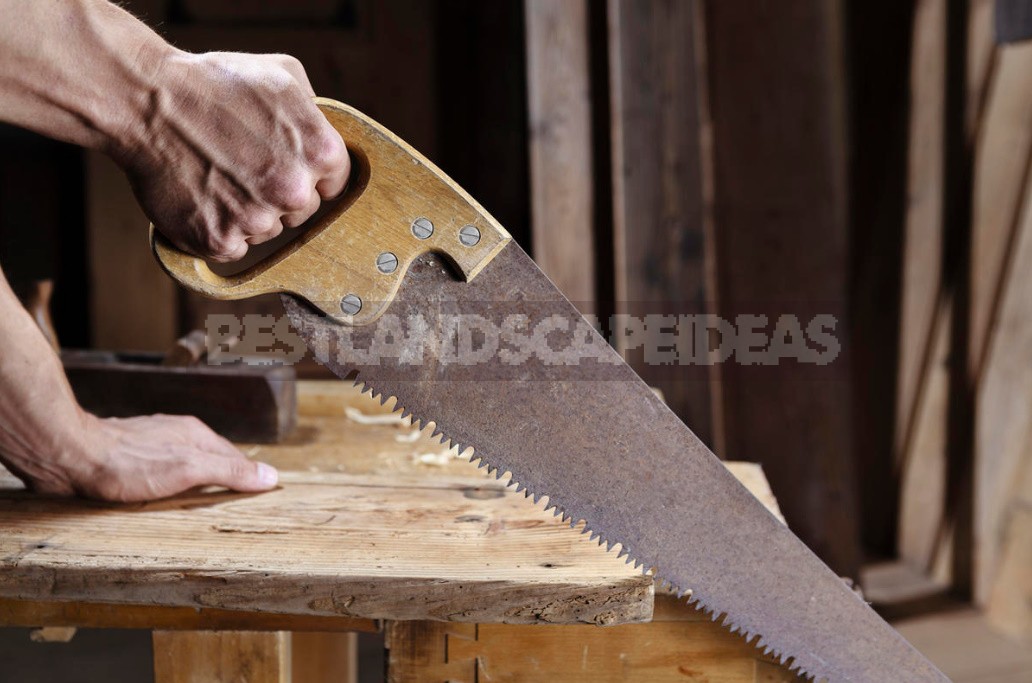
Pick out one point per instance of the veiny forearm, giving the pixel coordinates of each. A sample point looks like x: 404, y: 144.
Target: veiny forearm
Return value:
x: 82, y: 71
x: 38, y: 412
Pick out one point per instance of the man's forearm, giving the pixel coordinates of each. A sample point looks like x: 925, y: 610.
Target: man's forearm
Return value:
x: 38, y: 413
x: 83, y: 71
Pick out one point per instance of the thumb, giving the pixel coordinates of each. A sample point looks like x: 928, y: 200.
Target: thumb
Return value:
x: 239, y: 473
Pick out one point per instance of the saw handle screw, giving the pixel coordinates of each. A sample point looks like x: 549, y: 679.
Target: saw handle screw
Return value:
x: 422, y: 228
x: 387, y: 263
x: 351, y: 304
x: 469, y: 235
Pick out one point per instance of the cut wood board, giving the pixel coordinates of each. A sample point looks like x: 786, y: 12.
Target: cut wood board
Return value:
x: 411, y: 538
x: 350, y: 545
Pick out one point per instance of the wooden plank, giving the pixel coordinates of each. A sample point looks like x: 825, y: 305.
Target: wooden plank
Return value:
x: 33, y: 614
x: 674, y: 650
x: 381, y: 523
x: 925, y: 527
x: 1003, y: 403
x: 561, y: 164
x: 239, y: 401
x: 980, y: 58
x: 324, y: 657
x: 1002, y: 155
x: 925, y: 321
x: 1009, y: 609
x: 776, y: 98
x: 132, y: 302
x: 192, y: 656
x: 329, y: 544
x: 657, y: 178
x: 924, y: 524
x: 1010, y: 603
x: 923, y: 228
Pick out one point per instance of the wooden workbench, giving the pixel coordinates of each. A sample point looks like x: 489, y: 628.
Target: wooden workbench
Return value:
x: 374, y: 526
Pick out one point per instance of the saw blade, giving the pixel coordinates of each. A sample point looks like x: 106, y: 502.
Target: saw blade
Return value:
x: 506, y: 365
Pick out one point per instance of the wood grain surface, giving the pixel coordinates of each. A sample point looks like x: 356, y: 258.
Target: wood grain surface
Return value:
x: 663, y: 256
x: 381, y: 523
x: 196, y: 656
x: 684, y: 646
x: 561, y: 164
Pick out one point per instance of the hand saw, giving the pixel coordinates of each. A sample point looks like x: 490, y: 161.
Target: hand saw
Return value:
x: 410, y: 283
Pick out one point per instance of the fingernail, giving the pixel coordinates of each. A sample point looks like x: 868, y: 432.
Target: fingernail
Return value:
x: 267, y: 474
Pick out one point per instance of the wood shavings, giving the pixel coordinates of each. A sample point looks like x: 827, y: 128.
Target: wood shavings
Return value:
x: 52, y: 634
x: 361, y: 418
x: 434, y: 459
x: 408, y: 437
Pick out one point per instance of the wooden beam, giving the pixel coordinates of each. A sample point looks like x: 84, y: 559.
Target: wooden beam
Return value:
x: 926, y: 312
x: 923, y: 230
x: 980, y: 60
x: 688, y: 647
x: 1002, y: 155
x: 191, y: 656
x: 777, y: 101
x: 34, y: 614
x: 1003, y: 403
x: 1000, y: 259
x: 659, y: 218
x: 1010, y: 602
x: 925, y: 525
x: 561, y: 171
x: 324, y: 544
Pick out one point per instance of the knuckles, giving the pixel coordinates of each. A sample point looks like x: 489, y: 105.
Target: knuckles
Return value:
x: 327, y: 150
x: 290, y: 192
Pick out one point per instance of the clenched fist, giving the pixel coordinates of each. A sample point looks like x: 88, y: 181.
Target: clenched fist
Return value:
x: 230, y: 150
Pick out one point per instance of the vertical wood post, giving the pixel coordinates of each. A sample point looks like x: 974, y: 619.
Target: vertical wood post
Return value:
x: 659, y: 217
x: 561, y: 172
x: 776, y: 96
x: 202, y: 656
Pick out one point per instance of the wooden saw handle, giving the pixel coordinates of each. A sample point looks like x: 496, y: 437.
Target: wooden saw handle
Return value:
x: 350, y: 264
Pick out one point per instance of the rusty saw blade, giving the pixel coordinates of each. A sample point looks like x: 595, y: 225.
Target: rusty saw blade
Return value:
x: 506, y: 365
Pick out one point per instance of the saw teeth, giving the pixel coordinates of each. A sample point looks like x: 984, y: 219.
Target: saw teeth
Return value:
x: 558, y: 510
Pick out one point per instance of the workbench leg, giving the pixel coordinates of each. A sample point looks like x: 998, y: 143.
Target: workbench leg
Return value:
x: 216, y: 656
x: 324, y: 657
x: 255, y: 657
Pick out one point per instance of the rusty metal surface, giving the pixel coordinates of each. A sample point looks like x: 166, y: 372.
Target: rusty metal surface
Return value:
x: 594, y: 439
